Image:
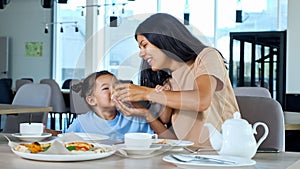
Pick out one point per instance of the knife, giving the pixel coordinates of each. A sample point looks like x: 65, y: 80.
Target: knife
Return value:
x: 189, y: 158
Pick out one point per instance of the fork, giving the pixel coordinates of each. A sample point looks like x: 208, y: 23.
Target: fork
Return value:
x: 200, y: 149
x: 188, y: 158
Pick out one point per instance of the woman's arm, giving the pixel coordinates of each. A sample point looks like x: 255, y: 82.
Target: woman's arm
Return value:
x: 196, y: 100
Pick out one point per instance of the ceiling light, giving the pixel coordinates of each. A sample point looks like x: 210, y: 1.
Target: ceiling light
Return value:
x: 61, y: 28
x: 76, y: 27
x: 46, y: 28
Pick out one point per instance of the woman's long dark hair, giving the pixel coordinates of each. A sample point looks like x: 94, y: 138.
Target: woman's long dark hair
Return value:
x: 151, y: 78
x: 173, y: 38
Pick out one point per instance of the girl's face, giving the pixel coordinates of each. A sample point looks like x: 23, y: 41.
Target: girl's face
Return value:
x: 152, y: 54
x: 101, y: 96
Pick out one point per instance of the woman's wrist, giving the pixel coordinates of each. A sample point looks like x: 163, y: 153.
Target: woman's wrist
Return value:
x: 151, y: 94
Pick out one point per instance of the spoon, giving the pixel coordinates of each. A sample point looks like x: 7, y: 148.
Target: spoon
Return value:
x: 10, y: 143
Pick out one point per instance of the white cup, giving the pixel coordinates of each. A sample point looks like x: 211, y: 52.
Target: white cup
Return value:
x: 31, y: 128
x: 139, y: 140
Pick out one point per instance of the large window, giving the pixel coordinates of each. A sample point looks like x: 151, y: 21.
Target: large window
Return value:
x: 120, y: 48
x: 257, y: 15
x: 68, y: 44
x: 115, y: 47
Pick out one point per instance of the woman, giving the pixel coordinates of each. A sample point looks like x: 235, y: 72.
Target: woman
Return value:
x: 200, y: 88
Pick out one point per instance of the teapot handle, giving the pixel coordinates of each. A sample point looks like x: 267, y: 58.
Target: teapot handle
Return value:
x: 263, y: 137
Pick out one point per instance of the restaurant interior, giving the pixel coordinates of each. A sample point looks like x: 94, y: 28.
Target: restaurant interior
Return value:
x: 59, y: 42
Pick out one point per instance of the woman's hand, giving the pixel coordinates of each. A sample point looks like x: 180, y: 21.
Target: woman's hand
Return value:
x: 131, y: 92
x: 159, y: 88
x: 134, y: 111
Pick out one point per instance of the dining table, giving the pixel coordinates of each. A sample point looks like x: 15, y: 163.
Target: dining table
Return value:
x: 13, y: 109
x: 268, y: 160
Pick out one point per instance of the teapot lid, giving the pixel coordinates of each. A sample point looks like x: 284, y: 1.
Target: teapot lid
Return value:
x: 236, y: 115
x: 236, y: 120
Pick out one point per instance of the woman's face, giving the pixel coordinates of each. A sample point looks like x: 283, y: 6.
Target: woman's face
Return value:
x: 102, y: 91
x: 152, y: 54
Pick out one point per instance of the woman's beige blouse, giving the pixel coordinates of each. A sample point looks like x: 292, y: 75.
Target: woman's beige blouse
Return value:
x: 188, y: 125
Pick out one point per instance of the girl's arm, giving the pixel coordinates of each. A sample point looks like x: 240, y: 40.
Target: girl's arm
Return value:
x: 158, y: 127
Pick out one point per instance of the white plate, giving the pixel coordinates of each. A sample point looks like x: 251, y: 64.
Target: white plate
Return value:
x: 172, y: 143
x: 69, y: 157
x: 139, y: 151
x: 89, y: 136
x: 239, y: 162
x: 32, y: 137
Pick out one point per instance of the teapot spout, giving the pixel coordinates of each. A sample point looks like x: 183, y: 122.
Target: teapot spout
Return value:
x: 215, y: 136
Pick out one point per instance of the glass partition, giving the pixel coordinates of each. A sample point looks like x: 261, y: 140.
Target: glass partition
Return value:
x: 115, y: 46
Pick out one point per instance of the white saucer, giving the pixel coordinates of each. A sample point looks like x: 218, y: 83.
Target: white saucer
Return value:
x: 172, y: 143
x: 140, y: 151
x: 32, y: 137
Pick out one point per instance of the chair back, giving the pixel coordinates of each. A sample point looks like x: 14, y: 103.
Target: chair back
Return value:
x: 8, y: 81
x: 266, y: 110
x: 6, y: 93
x: 27, y: 78
x: 252, y: 91
x: 77, y: 103
x: 67, y: 83
x: 21, y: 82
x: 57, y: 100
x: 30, y: 95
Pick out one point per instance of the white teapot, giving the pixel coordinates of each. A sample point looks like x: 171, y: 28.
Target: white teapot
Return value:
x: 237, y: 137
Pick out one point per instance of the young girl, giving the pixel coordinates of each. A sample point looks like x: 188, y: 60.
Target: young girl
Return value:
x: 104, y: 118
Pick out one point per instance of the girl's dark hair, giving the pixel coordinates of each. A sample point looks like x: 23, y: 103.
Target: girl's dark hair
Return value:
x: 86, y: 88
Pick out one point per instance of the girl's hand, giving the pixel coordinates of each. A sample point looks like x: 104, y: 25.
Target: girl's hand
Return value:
x: 133, y: 111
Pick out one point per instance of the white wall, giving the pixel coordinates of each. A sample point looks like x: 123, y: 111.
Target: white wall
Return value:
x: 23, y: 21
x: 293, y: 47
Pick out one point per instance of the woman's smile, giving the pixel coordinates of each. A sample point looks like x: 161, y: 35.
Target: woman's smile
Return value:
x: 149, y: 61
